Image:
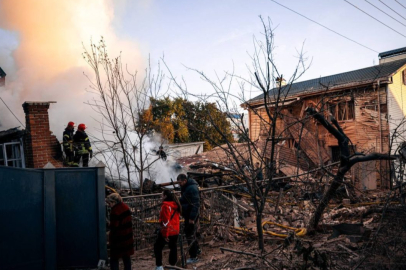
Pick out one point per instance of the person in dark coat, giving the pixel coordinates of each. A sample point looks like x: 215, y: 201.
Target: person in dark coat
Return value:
x: 190, y: 200
x: 258, y: 172
x: 161, y: 153
x: 68, y: 144
x: 82, y: 145
x: 121, y: 238
x: 169, y: 232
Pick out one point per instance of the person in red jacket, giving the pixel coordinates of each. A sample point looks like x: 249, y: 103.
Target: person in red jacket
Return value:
x: 121, y: 232
x: 171, y: 209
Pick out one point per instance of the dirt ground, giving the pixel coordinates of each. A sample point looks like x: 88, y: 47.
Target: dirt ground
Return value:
x: 211, y: 258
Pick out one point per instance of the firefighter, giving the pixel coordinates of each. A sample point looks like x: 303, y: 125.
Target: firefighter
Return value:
x: 83, y: 147
x: 161, y: 153
x: 68, y: 144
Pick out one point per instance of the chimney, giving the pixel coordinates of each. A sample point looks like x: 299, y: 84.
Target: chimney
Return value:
x: 280, y: 81
x: 393, y: 55
x: 2, y: 77
x: 40, y: 146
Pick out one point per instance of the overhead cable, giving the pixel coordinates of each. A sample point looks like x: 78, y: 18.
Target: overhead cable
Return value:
x: 331, y: 30
x: 12, y: 112
x: 375, y: 18
x: 385, y: 12
x: 392, y: 9
x: 400, y: 4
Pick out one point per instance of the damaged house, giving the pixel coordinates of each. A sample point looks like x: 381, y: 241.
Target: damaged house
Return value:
x: 34, y: 146
x: 369, y: 104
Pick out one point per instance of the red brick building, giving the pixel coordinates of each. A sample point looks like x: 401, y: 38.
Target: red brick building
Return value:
x: 35, y: 146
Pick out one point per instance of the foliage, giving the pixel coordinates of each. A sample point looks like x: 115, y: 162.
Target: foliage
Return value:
x: 182, y: 121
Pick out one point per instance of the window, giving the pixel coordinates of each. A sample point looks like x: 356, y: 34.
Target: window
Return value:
x: 404, y: 76
x: 343, y: 110
x: 11, y: 154
x: 335, y: 152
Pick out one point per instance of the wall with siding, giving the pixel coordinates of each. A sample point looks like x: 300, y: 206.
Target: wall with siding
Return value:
x: 397, y: 108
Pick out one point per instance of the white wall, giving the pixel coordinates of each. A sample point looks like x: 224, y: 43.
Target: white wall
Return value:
x: 397, y: 109
x: 185, y: 149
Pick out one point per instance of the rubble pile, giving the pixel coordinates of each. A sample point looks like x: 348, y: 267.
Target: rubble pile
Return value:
x: 349, y: 234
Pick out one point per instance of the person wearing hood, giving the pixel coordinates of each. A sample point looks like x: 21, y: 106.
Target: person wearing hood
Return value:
x: 121, y: 237
x: 190, y: 200
x: 68, y: 144
x: 171, y: 209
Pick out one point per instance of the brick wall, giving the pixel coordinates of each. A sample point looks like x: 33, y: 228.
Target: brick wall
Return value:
x: 40, y: 145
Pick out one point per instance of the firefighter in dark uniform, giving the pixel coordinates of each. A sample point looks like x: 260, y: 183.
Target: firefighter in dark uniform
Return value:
x: 82, y: 145
x: 68, y: 145
x: 161, y: 153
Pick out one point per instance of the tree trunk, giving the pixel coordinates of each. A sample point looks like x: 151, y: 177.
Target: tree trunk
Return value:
x: 337, y: 181
x: 260, y: 232
x: 141, y: 167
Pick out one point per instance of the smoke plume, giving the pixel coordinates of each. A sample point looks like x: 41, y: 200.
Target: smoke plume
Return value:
x: 41, y: 52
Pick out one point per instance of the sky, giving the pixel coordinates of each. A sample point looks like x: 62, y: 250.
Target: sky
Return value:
x: 41, y: 45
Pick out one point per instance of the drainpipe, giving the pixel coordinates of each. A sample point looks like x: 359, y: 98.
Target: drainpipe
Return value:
x: 379, y: 118
x: 380, y: 124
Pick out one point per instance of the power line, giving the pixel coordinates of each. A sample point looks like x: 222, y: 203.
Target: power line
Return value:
x: 12, y: 112
x: 400, y: 3
x: 375, y: 18
x: 392, y: 9
x: 331, y: 30
x: 385, y: 12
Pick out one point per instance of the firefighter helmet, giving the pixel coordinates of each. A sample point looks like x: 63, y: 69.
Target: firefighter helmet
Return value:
x: 71, y: 124
x: 82, y: 127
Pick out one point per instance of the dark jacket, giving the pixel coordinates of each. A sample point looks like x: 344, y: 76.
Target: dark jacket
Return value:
x: 121, y: 231
x: 190, y: 199
x: 82, y: 143
x: 67, y: 139
x: 259, y: 175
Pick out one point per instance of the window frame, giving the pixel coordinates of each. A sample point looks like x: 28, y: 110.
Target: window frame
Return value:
x: 344, y: 114
x: 21, y: 159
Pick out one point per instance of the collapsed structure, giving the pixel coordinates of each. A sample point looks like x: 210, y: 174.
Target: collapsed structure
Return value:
x: 367, y: 103
x: 34, y: 146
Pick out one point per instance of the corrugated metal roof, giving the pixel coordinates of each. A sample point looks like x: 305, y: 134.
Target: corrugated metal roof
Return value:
x: 392, y: 52
x: 350, y: 78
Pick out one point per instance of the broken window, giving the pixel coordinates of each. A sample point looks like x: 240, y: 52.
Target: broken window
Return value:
x: 11, y: 154
x: 335, y: 152
x: 342, y: 110
x: 2, y: 160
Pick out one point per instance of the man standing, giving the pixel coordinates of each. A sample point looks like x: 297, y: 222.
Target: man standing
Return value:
x: 82, y: 143
x: 190, y: 200
x: 68, y: 144
x: 258, y: 172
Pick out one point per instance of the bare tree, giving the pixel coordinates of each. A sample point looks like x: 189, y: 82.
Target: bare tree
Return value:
x: 244, y: 157
x: 121, y: 100
x: 346, y: 162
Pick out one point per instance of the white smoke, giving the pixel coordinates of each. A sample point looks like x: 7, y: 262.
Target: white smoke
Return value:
x: 41, y: 52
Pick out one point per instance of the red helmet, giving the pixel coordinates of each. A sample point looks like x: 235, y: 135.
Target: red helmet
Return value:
x: 82, y: 127
x: 71, y: 124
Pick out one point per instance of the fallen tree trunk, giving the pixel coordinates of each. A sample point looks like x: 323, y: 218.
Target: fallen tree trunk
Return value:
x: 346, y: 162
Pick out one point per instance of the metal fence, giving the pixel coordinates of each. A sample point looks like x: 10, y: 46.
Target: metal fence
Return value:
x: 216, y: 208
x: 52, y: 218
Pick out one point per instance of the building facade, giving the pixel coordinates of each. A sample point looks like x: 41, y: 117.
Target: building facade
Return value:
x: 369, y: 104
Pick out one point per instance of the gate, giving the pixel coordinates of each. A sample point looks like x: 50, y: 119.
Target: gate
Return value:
x: 52, y: 218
